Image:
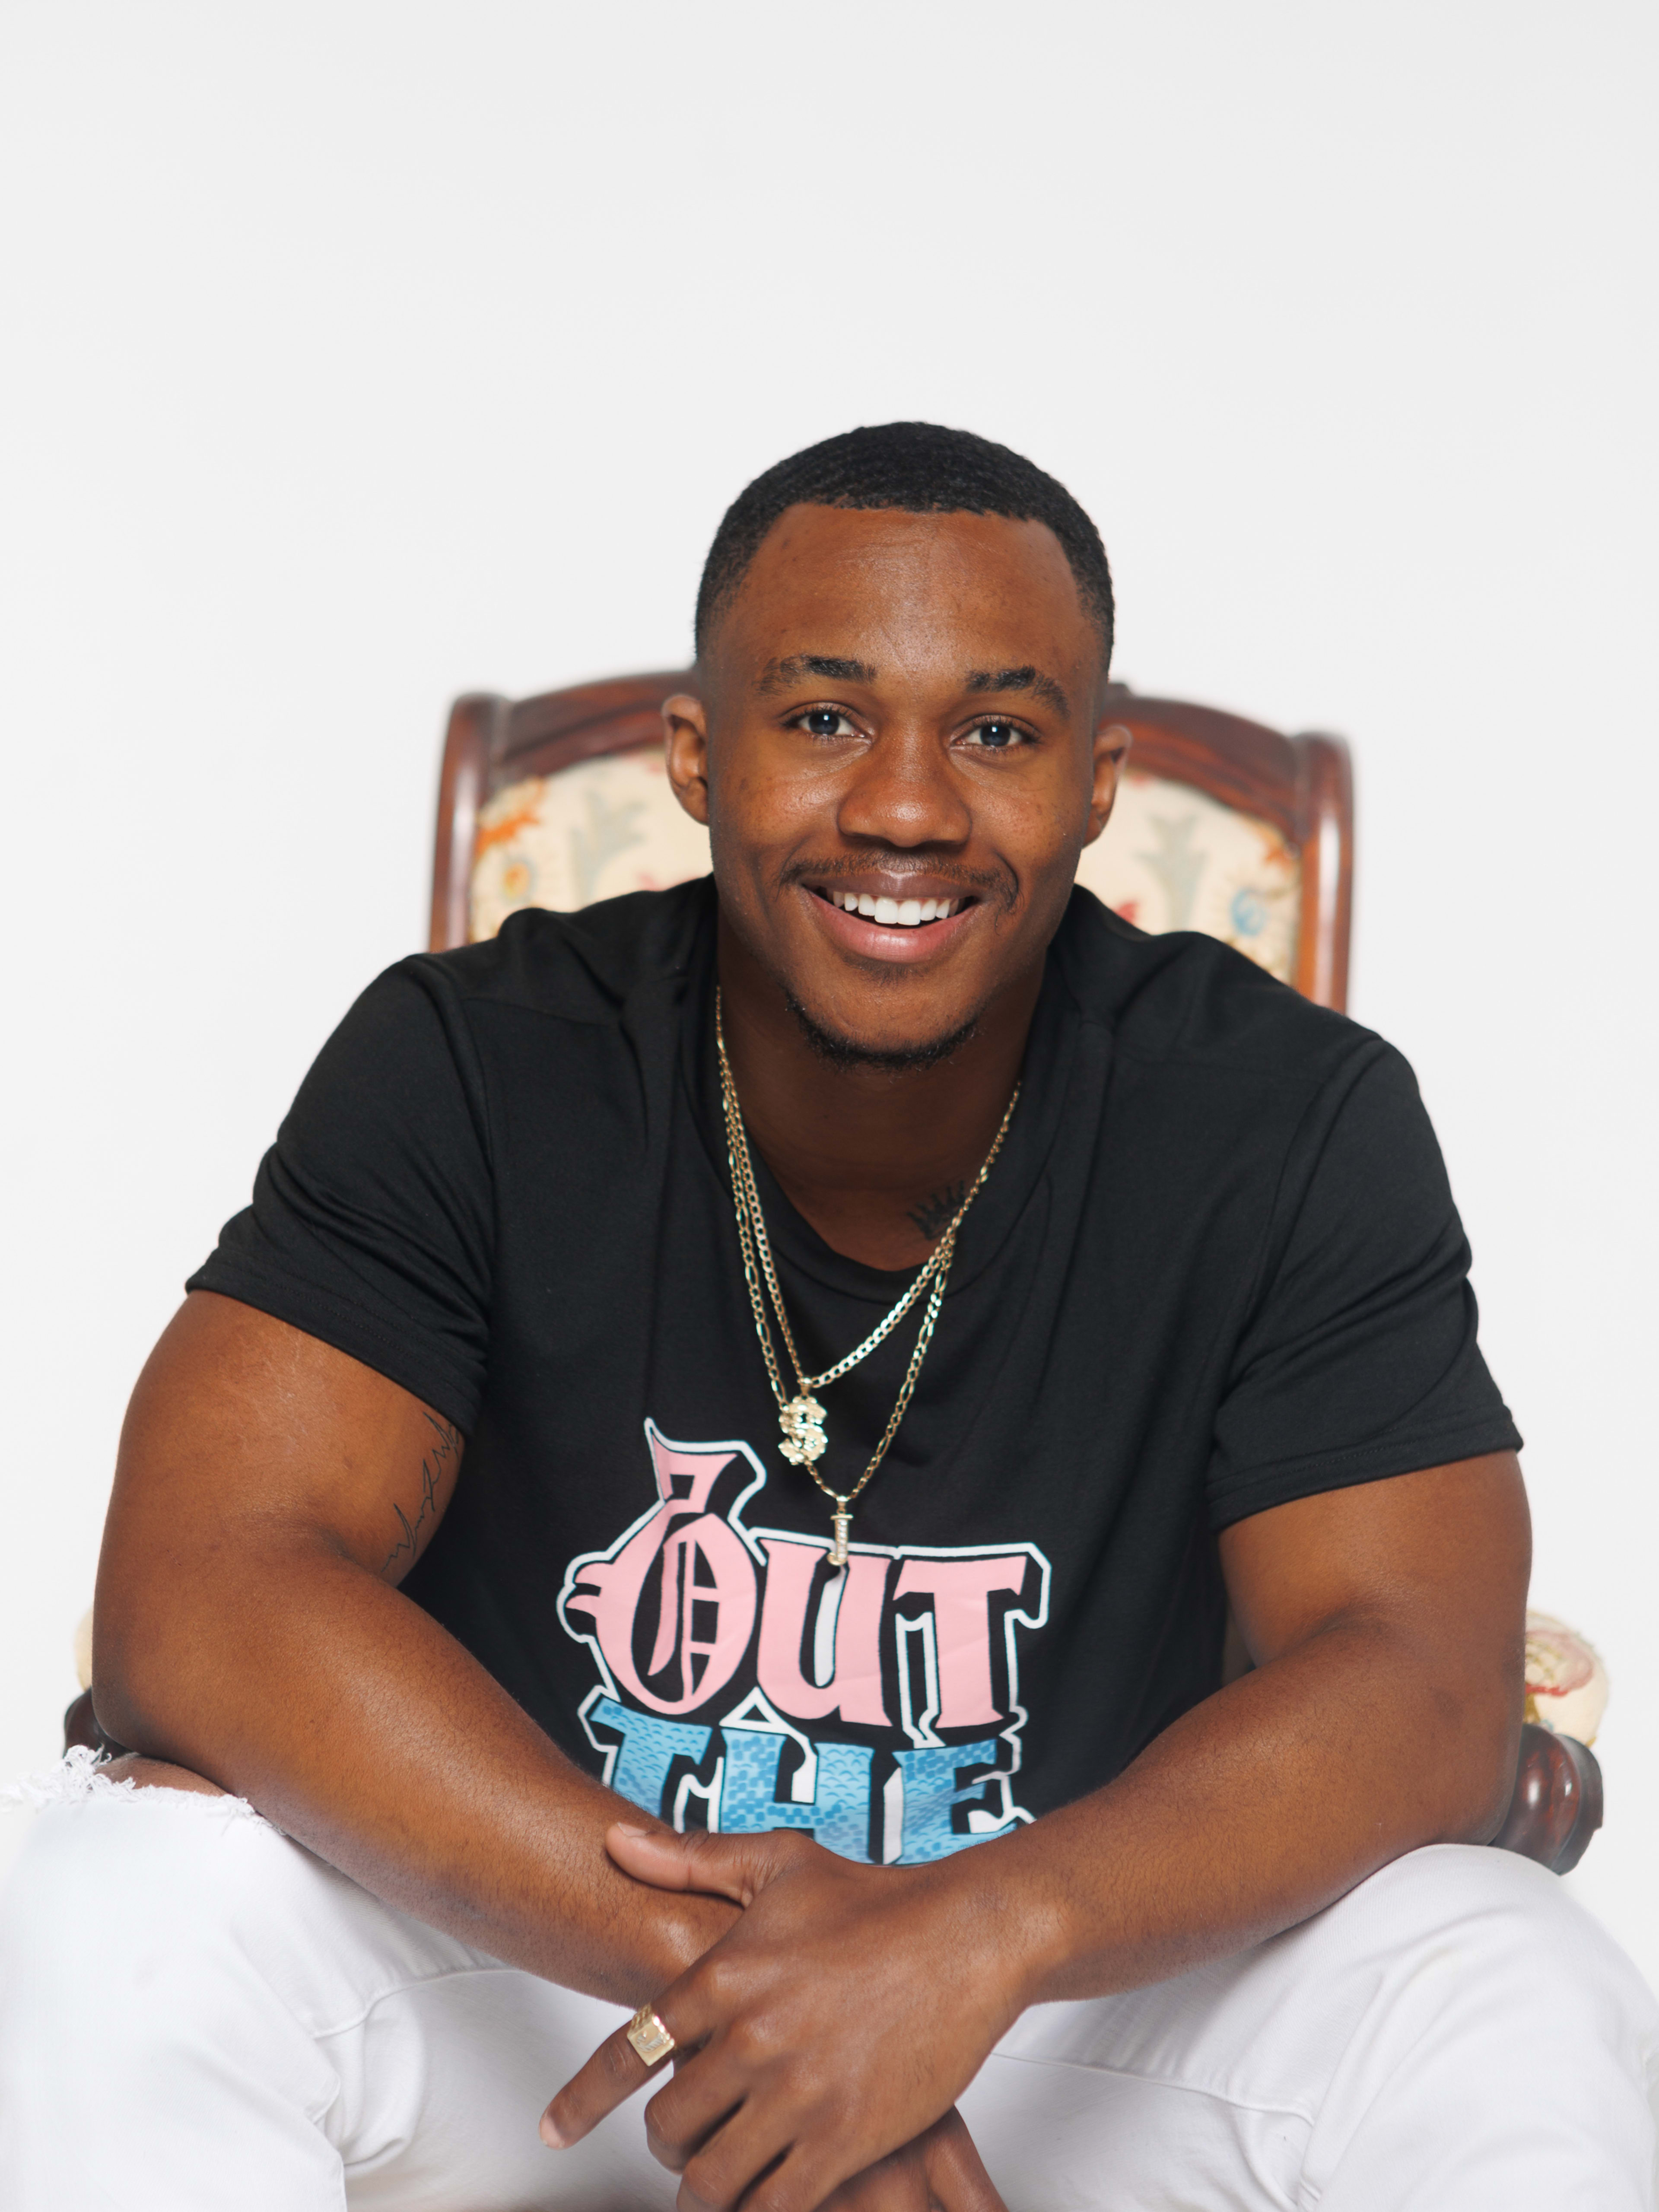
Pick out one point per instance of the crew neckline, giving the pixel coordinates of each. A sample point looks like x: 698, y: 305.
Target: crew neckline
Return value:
x: 1046, y: 1075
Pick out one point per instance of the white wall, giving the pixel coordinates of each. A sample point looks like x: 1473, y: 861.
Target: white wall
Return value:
x: 356, y: 353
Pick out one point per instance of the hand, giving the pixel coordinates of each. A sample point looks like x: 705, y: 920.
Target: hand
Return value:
x: 939, y: 2172
x: 834, y: 2025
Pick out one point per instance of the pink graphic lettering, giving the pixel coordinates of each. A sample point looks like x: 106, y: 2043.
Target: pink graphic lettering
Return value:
x: 704, y: 1565
x: 961, y: 1590
x: 853, y: 1689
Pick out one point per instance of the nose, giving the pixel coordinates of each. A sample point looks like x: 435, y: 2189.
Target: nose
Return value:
x: 903, y: 793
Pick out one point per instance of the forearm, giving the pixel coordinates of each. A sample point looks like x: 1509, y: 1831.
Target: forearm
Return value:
x: 297, y: 1679
x: 1256, y: 1809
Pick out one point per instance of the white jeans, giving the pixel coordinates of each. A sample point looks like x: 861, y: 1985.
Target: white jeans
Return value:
x: 197, y: 2015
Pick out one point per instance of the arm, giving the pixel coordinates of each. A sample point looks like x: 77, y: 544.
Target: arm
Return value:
x: 1386, y: 1624
x: 270, y: 1494
x: 851, y: 2005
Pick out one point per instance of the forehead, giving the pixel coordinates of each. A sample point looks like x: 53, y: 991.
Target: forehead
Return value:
x: 900, y: 590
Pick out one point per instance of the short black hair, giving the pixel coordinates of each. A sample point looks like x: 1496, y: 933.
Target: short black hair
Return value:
x: 922, y: 469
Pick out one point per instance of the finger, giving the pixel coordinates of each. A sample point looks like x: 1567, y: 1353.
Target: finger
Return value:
x: 955, y: 2172
x: 748, y: 2149
x: 608, y: 2079
x: 938, y: 2172
x: 735, y: 1867
x: 688, y: 2111
x: 898, y: 2184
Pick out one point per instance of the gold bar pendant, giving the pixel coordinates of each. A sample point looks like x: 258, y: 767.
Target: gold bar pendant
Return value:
x: 843, y: 1521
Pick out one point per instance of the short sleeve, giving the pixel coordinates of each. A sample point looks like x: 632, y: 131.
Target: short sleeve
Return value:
x: 1358, y: 1358
x: 370, y: 1226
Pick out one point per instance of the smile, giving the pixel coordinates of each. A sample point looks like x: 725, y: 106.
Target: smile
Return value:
x: 894, y: 913
x: 874, y: 925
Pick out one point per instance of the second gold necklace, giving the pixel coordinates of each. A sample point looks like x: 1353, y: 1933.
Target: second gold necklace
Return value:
x: 801, y: 1416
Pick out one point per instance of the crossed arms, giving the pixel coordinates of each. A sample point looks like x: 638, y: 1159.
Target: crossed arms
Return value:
x: 270, y: 1494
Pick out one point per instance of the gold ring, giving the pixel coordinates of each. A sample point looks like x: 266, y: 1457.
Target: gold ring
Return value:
x: 649, y: 2036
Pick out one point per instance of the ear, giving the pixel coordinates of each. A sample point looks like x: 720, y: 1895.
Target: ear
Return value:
x: 1112, y: 743
x: 686, y: 741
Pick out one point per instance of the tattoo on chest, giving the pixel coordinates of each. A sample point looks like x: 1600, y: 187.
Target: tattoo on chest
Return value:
x: 446, y: 1446
x: 933, y: 1216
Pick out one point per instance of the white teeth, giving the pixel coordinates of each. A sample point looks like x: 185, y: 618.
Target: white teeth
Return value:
x: 894, y: 913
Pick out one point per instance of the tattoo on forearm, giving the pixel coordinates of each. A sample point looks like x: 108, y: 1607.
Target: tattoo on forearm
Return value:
x: 933, y: 1216
x: 445, y: 1447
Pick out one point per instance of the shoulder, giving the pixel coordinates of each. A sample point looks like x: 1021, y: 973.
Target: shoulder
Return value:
x: 1185, y: 1002
x: 585, y: 967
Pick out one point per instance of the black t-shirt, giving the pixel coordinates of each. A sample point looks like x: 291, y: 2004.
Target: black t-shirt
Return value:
x: 1217, y: 1266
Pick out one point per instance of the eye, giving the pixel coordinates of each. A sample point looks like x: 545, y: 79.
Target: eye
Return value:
x: 826, y: 722
x: 995, y: 736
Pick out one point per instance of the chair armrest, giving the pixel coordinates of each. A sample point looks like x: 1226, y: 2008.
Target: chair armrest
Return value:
x: 81, y: 1727
x: 1557, y: 1802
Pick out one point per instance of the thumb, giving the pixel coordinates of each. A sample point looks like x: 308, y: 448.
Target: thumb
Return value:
x: 737, y: 1866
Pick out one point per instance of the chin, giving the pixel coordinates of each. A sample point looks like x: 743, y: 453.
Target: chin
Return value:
x: 880, y: 1045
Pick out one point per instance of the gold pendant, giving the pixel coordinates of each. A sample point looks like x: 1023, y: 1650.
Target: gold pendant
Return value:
x: 802, y: 1423
x: 843, y: 1521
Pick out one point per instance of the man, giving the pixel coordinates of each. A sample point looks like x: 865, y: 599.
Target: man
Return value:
x: 709, y: 1481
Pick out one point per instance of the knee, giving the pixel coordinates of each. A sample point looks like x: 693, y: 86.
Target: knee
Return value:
x: 1525, y: 1958
x: 109, y: 1889
x: 1491, y: 2028
x: 137, y: 1919
x: 1492, y: 1898
x: 148, y: 1965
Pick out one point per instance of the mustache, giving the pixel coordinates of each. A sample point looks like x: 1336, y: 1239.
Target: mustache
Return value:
x: 995, y: 886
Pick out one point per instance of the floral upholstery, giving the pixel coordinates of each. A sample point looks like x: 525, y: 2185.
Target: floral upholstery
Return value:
x: 1566, y: 1681
x: 1172, y: 858
x: 593, y: 831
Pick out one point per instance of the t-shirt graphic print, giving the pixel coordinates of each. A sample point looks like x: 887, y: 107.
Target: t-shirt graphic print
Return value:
x: 875, y: 1707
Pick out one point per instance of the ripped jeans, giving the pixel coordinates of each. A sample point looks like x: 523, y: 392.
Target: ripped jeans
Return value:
x: 197, y: 2014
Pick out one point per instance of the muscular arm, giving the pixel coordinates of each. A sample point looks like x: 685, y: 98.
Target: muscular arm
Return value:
x: 1386, y: 1623
x: 269, y: 1495
x: 850, y: 2005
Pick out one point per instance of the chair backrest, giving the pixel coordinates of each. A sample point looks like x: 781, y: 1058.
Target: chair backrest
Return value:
x: 1221, y: 825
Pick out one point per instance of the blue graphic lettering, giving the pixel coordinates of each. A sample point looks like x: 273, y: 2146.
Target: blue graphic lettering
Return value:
x: 649, y: 1747
x: 929, y: 1779
x: 839, y: 1814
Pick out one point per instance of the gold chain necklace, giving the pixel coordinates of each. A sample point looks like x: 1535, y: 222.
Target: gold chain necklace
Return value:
x: 802, y: 1416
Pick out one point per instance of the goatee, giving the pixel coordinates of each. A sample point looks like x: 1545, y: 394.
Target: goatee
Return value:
x: 895, y: 1060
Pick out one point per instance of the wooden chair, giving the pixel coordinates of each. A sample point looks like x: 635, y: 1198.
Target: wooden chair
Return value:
x: 1221, y: 824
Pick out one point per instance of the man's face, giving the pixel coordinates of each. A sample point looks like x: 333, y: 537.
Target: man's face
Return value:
x: 901, y: 718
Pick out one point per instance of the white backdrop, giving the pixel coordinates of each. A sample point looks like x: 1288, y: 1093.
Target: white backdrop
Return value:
x: 358, y: 354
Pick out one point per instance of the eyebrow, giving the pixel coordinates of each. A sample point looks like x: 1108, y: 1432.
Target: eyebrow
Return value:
x: 779, y: 675
x: 1021, y: 679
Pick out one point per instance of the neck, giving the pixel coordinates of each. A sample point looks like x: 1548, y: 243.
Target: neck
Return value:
x: 877, y: 1159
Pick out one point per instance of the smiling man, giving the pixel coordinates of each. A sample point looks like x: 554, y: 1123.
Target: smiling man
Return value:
x: 701, y: 1502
